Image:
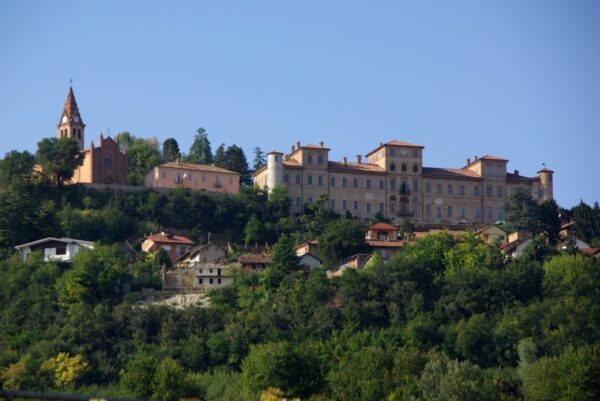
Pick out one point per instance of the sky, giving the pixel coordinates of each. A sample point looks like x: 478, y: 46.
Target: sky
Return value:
x: 518, y: 79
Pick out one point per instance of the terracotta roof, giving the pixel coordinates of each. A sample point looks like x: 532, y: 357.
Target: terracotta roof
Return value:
x: 396, y: 143
x: 168, y: 238
x: 311, y: 242
x: 194, y: 251
x: 311, y: 146
x: 254, y: 259
x: 450, y: 173
x: 291, y: 163
x: 385, y: 244
x: 591, y: 251
x: 491, y: 225
x: 491, y: 157
x: 517, y: 177
x: 197, y: 167
x: 356, y: 167
x: 545, y: 170
x: 383, y: 226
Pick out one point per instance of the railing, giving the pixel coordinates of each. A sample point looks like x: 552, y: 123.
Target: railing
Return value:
x: 10, y: 395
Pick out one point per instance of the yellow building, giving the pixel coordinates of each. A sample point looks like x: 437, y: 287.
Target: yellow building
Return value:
x: 394, y: 181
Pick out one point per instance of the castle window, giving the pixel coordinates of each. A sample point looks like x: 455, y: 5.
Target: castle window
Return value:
x: 344, y: 204
x: 393, y: 152
x: 500, y: 170
x: 381, y: 207
x: 488, y: 171
x: 320, y: 180
x: 393, y: 184
x: 298, y: 179
x: 108, y: 162
x: 393, y: 167
x: 428, y: 210
x: 461, y: 189
x: 427, y: 187
x: 344, y: 182
x: 500, y: 192
x: 403, y: 168
x: 490, y: 212
x: 309, y: 159
x: 489, y: 191
x: 415, y: 153
x: 368, y: 207
x: 438, y: 212
x: 438, y: 188
x: 355, y: 205
x: 320, y: 159
x: 310, y: 200
x: 476, y: 213
x: 298, y: 204
x: 449, y: 211
x: 333, y: 181
x: 286, y: 178
x: 476, y: 190
x: 462, y: 212
x: 309, y: 180
x: 355, y: 183
x: 415, y: 185
x: 450, y: 189
x: 332, y: 202
x: 500, y: 213
x: 415, y: 168
x: 381, y: 184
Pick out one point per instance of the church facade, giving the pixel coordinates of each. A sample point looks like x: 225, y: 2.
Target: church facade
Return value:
x: 102, y: 164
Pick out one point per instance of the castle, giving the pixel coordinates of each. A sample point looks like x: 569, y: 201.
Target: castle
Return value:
x: 102, y: 164
x: 394, y: 182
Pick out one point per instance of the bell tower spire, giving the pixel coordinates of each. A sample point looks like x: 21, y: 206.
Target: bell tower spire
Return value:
x: 71, y: 125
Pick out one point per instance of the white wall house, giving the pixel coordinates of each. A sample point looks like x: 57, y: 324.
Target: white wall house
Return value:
x: 54, y: 249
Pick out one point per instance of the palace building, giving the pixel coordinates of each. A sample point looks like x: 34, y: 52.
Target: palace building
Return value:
x: 394, y: 181
x: 102, y: 164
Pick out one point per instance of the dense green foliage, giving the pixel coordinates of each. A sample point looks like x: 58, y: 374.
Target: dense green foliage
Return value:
x: 447, y: 318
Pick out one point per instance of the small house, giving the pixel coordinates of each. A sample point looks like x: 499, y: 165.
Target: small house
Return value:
x: 175, y: 245
x: 54, y: 249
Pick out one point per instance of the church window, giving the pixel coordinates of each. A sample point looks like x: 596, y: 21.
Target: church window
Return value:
x: 108, y: 162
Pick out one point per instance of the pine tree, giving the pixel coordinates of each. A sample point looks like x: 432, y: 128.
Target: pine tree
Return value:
x: 200, y: 151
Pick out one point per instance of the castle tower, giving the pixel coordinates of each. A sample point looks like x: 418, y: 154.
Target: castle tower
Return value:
x: 274, y: 169
x: 546, y: 187
x: 70, y: 124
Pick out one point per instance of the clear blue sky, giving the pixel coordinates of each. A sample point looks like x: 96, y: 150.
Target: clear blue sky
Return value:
x: 518, y: 79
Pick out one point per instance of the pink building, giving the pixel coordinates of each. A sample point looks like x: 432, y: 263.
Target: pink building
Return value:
x: 201, y: 177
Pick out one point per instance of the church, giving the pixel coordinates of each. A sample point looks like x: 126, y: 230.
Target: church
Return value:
x: 102, y: 164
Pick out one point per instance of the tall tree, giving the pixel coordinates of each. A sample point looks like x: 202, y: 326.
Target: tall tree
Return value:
x: 259, y: 158
x: 59, y: 158
x: 235, y: 160
x: 200, y: 151
x: 170, y: 150
x: 220, y: 156
x: 342, y: 238
x: 16, y: 167
x: 587, y: 221
x: 142, y: 155
x: 549, y: 220
x: 521, y: 211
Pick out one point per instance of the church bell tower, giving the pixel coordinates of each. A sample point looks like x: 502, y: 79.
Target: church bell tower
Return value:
x: 70, y: 124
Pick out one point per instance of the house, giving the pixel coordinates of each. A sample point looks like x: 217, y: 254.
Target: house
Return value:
x: 382, y: 238
x: 309, y: 262
x: 207, y: 253
x: 54, y: 249
x: 254, y: 263
x: 515, y: 248
x: 307, y: 247
x: 201, y: 177
x: 591, y: 251
x: 174, y: 245
x: 200, y: 276
x: 357, y: 261
x: 493, y: 234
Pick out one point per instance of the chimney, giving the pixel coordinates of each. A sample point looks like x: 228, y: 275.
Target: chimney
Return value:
x: 321, y: 143
x: 293, y: 148
x: 516, y: 172
x: 345, y: 160
x: 298, y: 143
x: 468, y: 161
x: 358, y: 159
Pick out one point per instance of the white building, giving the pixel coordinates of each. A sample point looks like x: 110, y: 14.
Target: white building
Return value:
x: 54, y: 249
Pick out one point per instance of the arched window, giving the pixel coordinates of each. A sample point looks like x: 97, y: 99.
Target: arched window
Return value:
x: 108, y: 162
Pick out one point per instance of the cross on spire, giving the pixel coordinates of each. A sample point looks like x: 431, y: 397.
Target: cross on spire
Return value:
x: 71, y: 82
